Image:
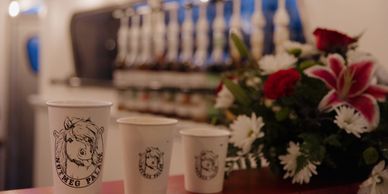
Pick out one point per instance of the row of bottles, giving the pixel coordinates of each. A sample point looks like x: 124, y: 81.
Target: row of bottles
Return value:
x: 151, y: 37
x: 185, y: 105
x: 170, y: 57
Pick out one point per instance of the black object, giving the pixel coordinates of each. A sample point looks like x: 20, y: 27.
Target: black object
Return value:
x: 94, y: 35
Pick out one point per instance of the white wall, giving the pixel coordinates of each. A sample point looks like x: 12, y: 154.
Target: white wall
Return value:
x: 353, y: 17
x: 3, y: 83
x: 3, y: 64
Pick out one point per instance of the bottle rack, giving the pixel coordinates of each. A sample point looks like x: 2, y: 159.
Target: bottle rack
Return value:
x: 171, y: 54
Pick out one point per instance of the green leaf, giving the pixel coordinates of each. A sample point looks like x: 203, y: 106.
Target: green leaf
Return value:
x: 307, y: 64
x: 214, y: 120
x: 312, y: 147
x: 385, y: 153
x: 309, y: 138
x: 282, y: 114
x: 237, y: 92
x: 314, y: 151
x: 370, y: 155
x: 296, y: 52
x: 384, y: 148
x: 301, y: 162
x: 319, y: 154
x: 332, y: 140
x: 240, y: 45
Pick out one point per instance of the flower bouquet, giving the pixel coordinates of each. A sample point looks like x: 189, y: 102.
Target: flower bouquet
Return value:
x: 309, y: 111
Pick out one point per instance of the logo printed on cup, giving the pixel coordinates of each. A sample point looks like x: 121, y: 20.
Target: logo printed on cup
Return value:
x: 206, y: 165
x: 151, y: 163
x: 78, y: 152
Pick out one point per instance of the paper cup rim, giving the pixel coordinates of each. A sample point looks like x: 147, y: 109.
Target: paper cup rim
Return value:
x: 205, y: 132
x: 147, y: 121
x: 78, y: 103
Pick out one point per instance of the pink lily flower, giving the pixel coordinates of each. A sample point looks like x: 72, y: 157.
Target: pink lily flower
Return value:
x: 351, y: 85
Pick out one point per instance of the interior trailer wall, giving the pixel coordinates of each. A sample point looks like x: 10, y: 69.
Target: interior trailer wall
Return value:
x: 3, y: 66
x: 353, y: 17
x: 3, y: 83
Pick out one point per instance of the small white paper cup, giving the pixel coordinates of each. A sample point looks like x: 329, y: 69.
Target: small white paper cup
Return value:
x: 147, y: 147
x: 78, y: 131
x: 204, y: 158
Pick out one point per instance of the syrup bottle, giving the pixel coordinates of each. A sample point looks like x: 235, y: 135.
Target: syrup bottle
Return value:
x: 257, y: 35
x: 281, y: 22
x: 122, y: 37
x: 158, y: 37
x: 235, y: 27
x: 145, y: 58
x: 187, y: 38
x: 218, y: 34
x: 172, y: 35
x: 133, y: 41
x: 202, y: 38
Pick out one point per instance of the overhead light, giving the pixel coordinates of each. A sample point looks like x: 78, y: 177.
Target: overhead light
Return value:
x: 14, y: 9
x: 204, y: 1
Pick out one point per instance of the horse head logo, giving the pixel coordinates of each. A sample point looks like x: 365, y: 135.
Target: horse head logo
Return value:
x: 151, y: 162
x: 206, y: 165
x: 79, y: 147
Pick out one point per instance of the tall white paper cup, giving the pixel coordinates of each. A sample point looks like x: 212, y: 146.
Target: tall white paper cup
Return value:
x: 78, y: 131
x: 147, y: 146
x: 204, y: 157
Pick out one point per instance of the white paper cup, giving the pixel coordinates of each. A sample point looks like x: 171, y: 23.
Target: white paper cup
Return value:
x: 147, y: 146
x: 204, y: 157
x: 78, y: 131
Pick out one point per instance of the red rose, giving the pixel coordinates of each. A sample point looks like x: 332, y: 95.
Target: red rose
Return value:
x: 332, y: 41
x: 281, y: 83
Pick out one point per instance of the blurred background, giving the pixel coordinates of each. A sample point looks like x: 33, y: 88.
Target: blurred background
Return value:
x: 148, y: 57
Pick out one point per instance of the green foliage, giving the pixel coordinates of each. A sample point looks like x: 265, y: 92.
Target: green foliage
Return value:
x: 282, y: 114
x: 332, y: 140
x: 301, y: 162
x: 370, y: 156
x: 384, y: 152
x: 237, y: 92
x: 296, y: 52
x: 307, y: 64
x: 241, y: 47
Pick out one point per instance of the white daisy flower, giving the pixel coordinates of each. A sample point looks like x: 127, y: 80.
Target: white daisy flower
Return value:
x: 377, y: 183
x: 224, y: 98
x: 355, y: 56
x: 351, y: 121
x: 272, y: 63
x: 245, y: 130
x: 253, y: 82
x: 306, y: 49
x: 289, y: 162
